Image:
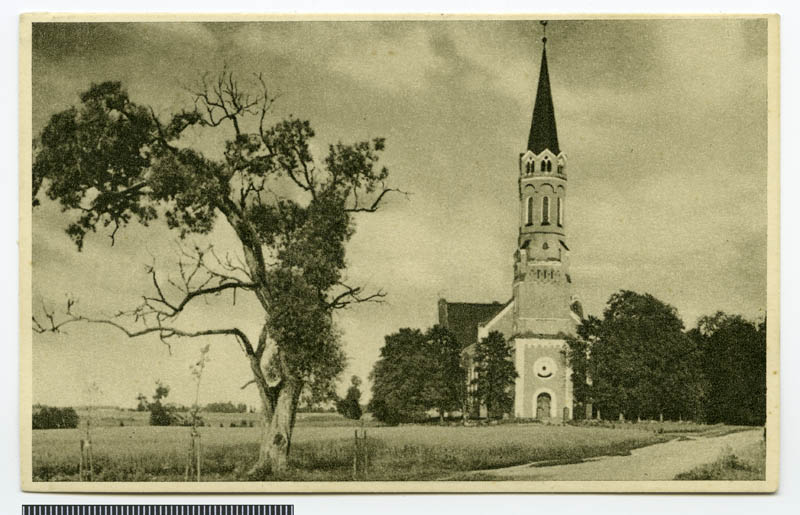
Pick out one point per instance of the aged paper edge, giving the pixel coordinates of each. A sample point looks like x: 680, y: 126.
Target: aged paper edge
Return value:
x: 770, y: 484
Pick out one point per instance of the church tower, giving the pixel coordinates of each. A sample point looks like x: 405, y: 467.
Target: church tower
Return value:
x: 542, y: 311
x: 541, y: 263
x: 543, y: 306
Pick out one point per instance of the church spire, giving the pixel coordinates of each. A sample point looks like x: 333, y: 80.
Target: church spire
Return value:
x: 543, y: 125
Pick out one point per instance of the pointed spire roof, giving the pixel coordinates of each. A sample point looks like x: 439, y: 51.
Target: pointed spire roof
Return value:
x: 543, y: 125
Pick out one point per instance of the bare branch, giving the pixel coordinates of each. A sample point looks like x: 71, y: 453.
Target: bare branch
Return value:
x: 54, y: 326
x: 198, y: 279
x: 175, y: 309
x: 308, y: 185
x: 163, y: 332
x: 375, y: 203
x: 113, y: 234
x: 162, y: 137
x: 262, y: 343
x: 224, y: 100
x: 354, y: 295
x: 265, y: 104
x: 230, y: 267
x: 248, y: 383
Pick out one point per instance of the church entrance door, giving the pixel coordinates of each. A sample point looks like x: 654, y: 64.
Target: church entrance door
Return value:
x: 543, y: 406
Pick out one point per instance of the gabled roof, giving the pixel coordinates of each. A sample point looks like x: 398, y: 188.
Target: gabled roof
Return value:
x: 463, y: 318
x: 543, y: 125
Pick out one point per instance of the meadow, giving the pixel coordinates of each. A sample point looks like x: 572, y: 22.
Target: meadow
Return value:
x: 747, y: 464
x: 323, y: 448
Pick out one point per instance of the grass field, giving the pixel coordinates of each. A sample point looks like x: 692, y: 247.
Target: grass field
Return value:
x: 748, y: 464
x: 322, y: 448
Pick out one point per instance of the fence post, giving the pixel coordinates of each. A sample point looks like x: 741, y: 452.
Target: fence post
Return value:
x: 80, y: 468
x: 198, y: 457
x: 366, y: 455
x: 360, y: 455
x: 355, y: 455
x: 189, y: 455
x: 86, y: 470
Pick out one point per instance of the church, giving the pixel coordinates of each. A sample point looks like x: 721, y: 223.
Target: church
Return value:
x: 542, y: 309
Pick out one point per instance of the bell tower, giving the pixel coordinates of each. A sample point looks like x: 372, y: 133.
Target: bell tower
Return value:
x: 542, y: 312
x: 542, y: 284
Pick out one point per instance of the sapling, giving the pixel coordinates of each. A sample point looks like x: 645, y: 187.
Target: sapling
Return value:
x: 193, y: 462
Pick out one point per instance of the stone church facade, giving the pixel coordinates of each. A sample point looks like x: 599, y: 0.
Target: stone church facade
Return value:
x: 543, y: 309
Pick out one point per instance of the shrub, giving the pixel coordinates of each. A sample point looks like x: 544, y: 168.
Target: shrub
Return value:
x: 159, y: 415
x: 349, y: 408
x: 55, y: 418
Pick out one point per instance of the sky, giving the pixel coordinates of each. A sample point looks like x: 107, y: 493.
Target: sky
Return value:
x: 663, y: 123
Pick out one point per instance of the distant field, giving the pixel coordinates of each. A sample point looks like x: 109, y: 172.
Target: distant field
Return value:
x: 322, y: 448
x: 112, y: 417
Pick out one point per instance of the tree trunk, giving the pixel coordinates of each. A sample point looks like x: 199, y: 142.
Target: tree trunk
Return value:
x: 277, y: 426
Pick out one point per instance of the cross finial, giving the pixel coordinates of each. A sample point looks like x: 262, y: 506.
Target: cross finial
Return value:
x: 544, y: 31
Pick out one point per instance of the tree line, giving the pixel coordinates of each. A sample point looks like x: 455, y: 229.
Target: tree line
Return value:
x: 421, y: 372
x: 211, y: 407
x: 639, y: 361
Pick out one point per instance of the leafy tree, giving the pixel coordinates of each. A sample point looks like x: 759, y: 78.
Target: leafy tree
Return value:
x: 161, y: 414
x: 448, y: 378
x: 142, y: 402
x: 578, y: 356
x: 350, y: 406
x: 110, y: 162
x: 315, y: 400
x: 639, y: 360
x: 494, y: 365
x: 734, y: 354
x: 417, y: 372
x: 401, y: 378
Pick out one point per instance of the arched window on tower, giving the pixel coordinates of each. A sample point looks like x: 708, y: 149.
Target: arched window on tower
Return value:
x: 545, y: 210
x: 543, y: 166
x: 549, y: 166
x: 560, y: 207
x: 529, y: 211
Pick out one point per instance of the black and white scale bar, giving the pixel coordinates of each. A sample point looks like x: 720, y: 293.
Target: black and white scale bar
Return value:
x: 158, y: 509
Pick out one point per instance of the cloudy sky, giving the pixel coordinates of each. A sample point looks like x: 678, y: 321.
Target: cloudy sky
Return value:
x: 663, y: 122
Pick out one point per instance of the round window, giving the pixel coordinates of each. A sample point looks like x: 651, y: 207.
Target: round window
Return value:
x: 545, y: 368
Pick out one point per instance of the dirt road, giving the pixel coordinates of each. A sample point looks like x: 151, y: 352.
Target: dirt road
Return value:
x: 656, y: 462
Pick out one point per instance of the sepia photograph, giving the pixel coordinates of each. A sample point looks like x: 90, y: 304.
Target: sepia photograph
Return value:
x: 399, y: 254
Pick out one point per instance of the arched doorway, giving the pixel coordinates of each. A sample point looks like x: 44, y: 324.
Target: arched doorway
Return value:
x: 543, y: 406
